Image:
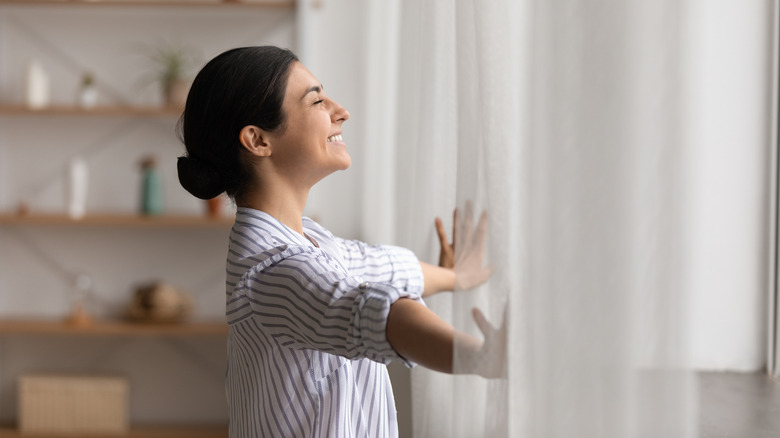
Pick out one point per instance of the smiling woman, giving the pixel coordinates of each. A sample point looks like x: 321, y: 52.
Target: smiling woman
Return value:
x: 312, y: 318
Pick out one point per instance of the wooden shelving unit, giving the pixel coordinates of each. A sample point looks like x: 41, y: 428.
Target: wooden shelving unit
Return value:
x: 117, y: 220
x: 34, y: 328
x: 106, y: 111
x: 47, y: 327
x: 140, y: 432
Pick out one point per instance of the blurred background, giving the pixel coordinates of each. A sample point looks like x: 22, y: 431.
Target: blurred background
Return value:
x: 91, y: 210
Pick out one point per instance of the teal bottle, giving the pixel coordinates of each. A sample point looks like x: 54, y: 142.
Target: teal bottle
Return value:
x: 152, y: 203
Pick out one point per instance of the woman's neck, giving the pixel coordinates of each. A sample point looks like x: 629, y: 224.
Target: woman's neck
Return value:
x: 285, y: 202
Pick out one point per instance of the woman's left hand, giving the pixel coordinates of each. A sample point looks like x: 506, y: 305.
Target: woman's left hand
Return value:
x: 447, y: 252
x: 465, y: 256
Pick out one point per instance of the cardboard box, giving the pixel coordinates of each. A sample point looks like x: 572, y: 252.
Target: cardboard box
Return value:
x: 73, y: 404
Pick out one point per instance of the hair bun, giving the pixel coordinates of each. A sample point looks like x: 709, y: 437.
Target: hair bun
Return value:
x: 199, y: 178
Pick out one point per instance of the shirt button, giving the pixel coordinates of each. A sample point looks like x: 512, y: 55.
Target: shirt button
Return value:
x: 363, y: 285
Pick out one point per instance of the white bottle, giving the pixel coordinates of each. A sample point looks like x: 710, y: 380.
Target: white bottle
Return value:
x: 76, y: 188
x: 88, y: 97
x: 88, y: 93
x: 37, y: 86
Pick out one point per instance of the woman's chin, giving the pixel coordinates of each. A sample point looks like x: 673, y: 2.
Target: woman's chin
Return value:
x: 345, y: 161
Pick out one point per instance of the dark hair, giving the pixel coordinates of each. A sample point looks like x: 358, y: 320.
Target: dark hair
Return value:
x: 240, y: 87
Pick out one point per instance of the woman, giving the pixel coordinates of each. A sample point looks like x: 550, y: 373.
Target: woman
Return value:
x: 313, y: 318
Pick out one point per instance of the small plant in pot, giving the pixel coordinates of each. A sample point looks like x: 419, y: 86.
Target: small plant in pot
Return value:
x: 171, y: 65
x: 88, y: 93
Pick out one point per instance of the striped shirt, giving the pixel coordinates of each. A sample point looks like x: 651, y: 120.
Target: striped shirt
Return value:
x: 307, y: 347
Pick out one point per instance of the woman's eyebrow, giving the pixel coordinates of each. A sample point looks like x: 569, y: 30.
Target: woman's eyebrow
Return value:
x: 316, y: 88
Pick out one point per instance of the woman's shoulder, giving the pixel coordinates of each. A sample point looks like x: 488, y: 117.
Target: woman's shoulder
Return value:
x: 316, y: 230
x: 311, y: 224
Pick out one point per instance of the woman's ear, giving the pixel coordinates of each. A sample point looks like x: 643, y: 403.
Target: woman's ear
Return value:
x: 255, y: 140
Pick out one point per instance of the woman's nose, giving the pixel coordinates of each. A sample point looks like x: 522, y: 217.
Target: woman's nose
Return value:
x: 340, y: 114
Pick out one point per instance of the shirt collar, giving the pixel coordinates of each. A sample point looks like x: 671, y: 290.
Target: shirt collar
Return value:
x: 270, y: 225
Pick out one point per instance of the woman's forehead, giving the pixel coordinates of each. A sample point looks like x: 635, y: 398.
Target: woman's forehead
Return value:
x: 301, y: 77
x: 300, y: 84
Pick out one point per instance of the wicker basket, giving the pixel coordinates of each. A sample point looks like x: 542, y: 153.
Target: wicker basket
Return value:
x: 73, y: 404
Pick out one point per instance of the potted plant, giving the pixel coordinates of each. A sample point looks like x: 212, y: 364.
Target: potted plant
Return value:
x: 171, y: 64
x: 88, y: 93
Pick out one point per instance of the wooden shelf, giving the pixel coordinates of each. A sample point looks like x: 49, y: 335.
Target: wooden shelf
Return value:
x: 48, y: 327
x: 117, y: 220
x: 140, y: 432
x: 275, y: 4
x: 104, y: 111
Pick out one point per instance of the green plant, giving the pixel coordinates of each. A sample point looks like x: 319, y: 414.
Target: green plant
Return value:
x: 87, y: 79
x: 172, y: 63
x: 168, y: 62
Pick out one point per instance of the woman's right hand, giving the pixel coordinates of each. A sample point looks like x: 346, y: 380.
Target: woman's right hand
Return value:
x: 486, y: 358
x: 492, y: 355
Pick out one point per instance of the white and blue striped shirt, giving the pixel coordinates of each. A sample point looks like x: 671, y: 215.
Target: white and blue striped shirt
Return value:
x: 307, y: 347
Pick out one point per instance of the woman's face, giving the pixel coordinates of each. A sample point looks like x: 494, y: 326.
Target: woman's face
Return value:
x: 310, y: 147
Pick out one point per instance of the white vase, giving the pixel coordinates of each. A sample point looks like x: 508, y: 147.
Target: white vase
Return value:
x: 76, y: 188
x: 88, y: 97
x: 37, y: 86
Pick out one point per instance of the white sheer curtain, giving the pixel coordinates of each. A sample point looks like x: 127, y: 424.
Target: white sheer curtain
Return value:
x: 562, y: 120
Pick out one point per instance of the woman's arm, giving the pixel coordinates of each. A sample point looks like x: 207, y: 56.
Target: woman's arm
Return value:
x: 306, y: 300
x: 436, y: 279
x: 419, y: 335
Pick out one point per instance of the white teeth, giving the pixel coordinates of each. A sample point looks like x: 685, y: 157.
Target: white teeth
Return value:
x: 334, y: 138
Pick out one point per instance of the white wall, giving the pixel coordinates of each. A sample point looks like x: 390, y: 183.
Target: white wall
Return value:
x: 336, y: 60
x: 728, y: 100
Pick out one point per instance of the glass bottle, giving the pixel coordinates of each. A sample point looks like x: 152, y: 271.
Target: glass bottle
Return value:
x: 152, y: 202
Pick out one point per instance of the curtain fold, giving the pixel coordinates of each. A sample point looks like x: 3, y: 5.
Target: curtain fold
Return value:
x: 426, y: 132
x: 562, y: 120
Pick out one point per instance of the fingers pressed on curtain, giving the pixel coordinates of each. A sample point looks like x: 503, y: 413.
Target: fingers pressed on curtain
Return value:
x: 470, y: 268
